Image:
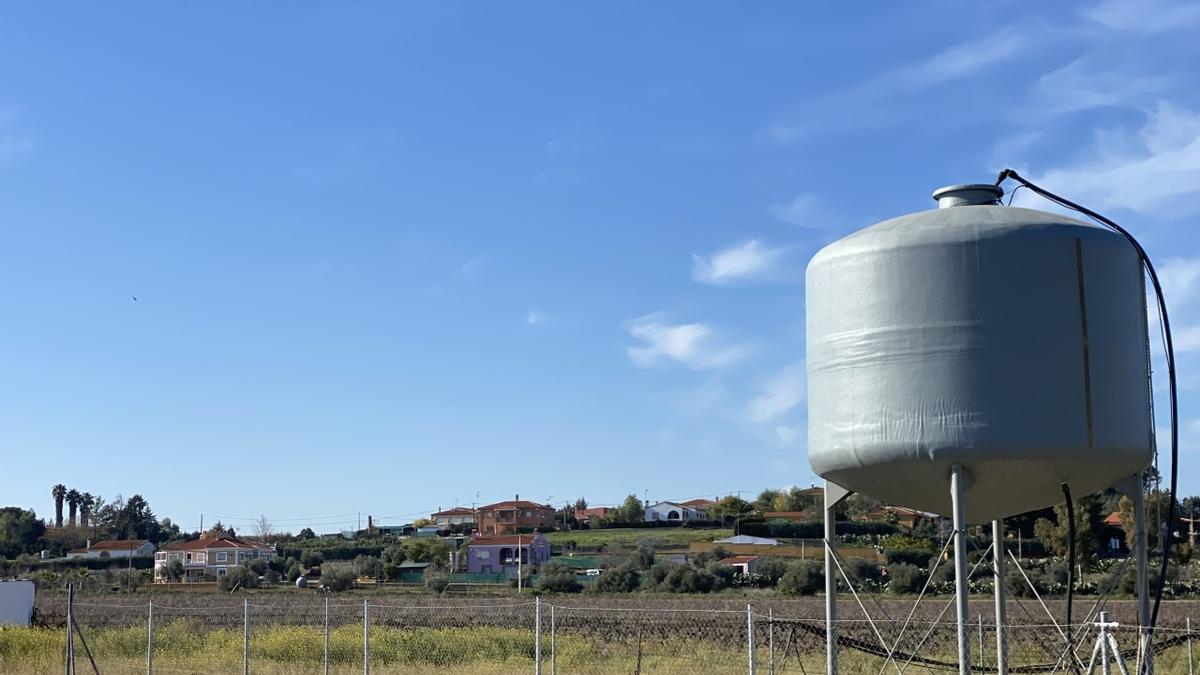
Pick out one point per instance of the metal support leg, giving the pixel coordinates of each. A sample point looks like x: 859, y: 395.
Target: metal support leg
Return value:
x: 999, y: 581
x: 1133, y: 487
x: 957, y: 495
x: 834, y: 493
x: 1141, y: 543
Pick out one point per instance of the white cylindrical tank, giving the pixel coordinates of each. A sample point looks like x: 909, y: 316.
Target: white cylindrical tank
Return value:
x: 1007, y: 340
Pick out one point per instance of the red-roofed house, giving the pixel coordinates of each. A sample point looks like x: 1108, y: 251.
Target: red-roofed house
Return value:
x: 513, y: 516
x: 208, y: 558
x: 701, y: 506
x: 745, y: 564
x: 459, y: 515
x: 115, y: 548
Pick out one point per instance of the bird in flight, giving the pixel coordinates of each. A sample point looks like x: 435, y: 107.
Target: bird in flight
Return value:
x: 135, y: 298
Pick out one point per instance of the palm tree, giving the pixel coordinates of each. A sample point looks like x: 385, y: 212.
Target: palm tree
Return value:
x: 58, y: 492
x: 86, y: 502
x: 73, y: 499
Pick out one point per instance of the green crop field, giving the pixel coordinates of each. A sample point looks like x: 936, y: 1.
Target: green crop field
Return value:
x: 663, y: 537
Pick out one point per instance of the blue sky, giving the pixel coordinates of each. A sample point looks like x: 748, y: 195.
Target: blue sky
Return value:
x: 394, y: 256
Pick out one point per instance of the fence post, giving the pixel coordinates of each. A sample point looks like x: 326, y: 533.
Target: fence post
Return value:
x: 366, y: 639
x: 537, y: 635
x: 554, y: 644
x: 1191, y: 670
x: 750, y: 635
x: 771, y: 637
x: 70, y: 661
x: 981, y: 639
x: 325, y: 657
x: 246, y: 636
x: 150, y: 638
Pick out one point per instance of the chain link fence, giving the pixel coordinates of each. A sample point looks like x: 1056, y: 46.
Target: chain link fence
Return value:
x: 545, y: 636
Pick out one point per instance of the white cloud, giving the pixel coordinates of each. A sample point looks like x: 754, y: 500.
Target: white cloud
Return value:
x: 805, y: 210
x: 1144, y: 16
x: 966, y: 58
x: 780, y: 395
x: 1178, y: 277
x: 1096, y: 82
x: 748, y: 261
x: 535, y: 318
x: 789, y: 436
x: 1153, y: 170
x: 863, y: 104
x: 1185, y: 338
x: 692, y: 344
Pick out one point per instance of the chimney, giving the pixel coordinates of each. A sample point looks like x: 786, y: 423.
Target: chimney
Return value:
x: 517, y: 498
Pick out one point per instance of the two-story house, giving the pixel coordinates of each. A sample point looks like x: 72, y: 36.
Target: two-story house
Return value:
x: 514, y: 516
x: 208, y: 558
x: 455, y: 517
x: 506, y: 554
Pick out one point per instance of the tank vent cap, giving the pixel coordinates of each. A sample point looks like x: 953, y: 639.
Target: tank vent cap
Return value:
x: 979, y: 194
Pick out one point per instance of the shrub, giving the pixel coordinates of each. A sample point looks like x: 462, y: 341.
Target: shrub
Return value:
x: 437, y: 581
x: 623, y: 579
x: 558, y: 578
x: 802, y: 578
x: 772, y: 569
x: 337, y: 577
x: 393, y: 555
x: 310, y: 558
x: 368, y: 566
x: 238, y: 577
x: 905, y: 578
x: 910, y: 556
x: 723, y: 575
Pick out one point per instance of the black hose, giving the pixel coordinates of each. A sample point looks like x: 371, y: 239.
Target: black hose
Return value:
x: 1169, y: 347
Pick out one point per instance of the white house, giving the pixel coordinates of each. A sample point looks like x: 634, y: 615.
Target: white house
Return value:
x: 672, y: 511
x: 114, y: 548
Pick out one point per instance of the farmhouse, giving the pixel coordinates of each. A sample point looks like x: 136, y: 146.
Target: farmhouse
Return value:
x: 114, y: 548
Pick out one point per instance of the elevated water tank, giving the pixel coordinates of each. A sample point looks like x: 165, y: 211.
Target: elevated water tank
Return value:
x: 1007, y: 340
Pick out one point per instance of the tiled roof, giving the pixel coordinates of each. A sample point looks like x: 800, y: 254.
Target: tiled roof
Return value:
x: 457, y: 511
x: 695, y: 503
x: 113, y: 545
x: 506, y: 540
x: 738, y: 559
x: 514, y: 504
x: 215, y: 542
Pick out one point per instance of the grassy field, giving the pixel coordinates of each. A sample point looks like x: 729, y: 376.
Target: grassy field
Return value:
x: 675, y: 537
x: 189, y: 646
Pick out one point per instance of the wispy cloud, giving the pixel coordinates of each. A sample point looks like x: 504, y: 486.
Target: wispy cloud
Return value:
x: 747, y: 261
x: 779, y: 395
x: 861, y: 104
x: 473, y: 266
x: 1094, y: 81
x: 692, y: 344
x: 1155, y: 169
x: 1144, y: 16
x: 805, y: 210
x: 789, y: 436
x: 965, y: 59
x: 1179, y: 276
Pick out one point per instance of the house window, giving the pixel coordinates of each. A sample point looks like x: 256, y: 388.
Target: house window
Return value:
x: 481, y: 554
x: 221, y: 572
x: 189, y: 557
x: 222, y: 557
